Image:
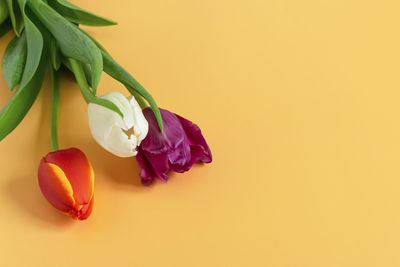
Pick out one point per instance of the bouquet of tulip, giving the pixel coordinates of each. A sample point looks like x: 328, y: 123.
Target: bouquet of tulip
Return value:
x: 48, y: 39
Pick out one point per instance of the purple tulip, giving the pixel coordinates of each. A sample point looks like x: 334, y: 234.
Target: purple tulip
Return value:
x: 177, y: 149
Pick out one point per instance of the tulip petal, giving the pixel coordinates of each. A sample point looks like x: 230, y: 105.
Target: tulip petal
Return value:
x: 180, y: 156
x: 197, y: 140
x: 159, y: 164
x: 119, y: 136
x: 55, y: 186
x: 147, y: 171
x: 78, y: 171
x: 140, y: 125
x: 120, y: 144
x: 177, y: 148
x: 86, y: 210
x: 157, y: 142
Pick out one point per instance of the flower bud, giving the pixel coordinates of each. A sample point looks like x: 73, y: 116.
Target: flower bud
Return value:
x: 66, y: 180
x: 115, y: 134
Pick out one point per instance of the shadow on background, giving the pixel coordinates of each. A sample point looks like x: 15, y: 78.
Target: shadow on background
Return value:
x: 120, y: 173
x: 25, y: 194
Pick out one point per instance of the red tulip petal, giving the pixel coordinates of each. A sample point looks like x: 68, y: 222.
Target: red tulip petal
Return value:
x: 55, y: 186
x: 78, y: 171
x: 86, y: 210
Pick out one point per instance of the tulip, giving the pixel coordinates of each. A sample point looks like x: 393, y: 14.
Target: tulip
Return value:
x: 177, y: 148
x: 115, y: 134
x: 66, y: 180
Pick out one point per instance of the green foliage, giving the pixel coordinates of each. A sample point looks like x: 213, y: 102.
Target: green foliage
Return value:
x: 77, y: 15
x: 48, y: 34
x: 55, y: 55
x: 86, y: 93
x: 16, y: 16
x: 112, y: 68
x: 14, y: 61
x: 73, y: 43
x: 3, y: 11
x: 32, y: 79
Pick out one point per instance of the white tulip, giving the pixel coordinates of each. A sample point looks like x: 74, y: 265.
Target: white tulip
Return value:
x: 116, y: 135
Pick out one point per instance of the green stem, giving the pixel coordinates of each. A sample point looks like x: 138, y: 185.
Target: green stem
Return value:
x: 55, y: 102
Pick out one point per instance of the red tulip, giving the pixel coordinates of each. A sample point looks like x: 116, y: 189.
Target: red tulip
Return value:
x: 66, y: 180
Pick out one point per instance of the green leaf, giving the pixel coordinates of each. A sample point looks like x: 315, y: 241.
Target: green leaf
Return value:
x: 112, y: 68
x: 55, y: 56
x: 21, y: 102
x: 3, y: 11
x: 5, y: 27
x: 88, y: 95
x: 32, y: 79
x: 73, y: 43
x: 107, y: 104
x: 88, y: 75
x: 95, y: 41
x: 77, y: 15
x: 14, y: 61
x: 16, y: 16
x: 34, y: 40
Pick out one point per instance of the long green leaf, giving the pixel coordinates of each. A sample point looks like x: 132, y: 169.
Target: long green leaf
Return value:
x: 85, y: 90
x: 14, y: 61
x: 22, y: 101
x: 32, y: 79
x: 77, y: 15
x: 73, y: 43
x: 112, y: 68
x: 34, y: 40
x: 3, y: 11
x: 16, y: 16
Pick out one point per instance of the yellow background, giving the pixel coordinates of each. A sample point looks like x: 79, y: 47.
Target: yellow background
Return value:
x: 299, y: 102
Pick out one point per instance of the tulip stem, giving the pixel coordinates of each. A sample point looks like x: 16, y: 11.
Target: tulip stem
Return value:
x: 55, y: 102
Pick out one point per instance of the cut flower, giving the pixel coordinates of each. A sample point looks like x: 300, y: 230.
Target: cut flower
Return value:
x: 115, y: 134
x: 176, y: 149
x: 66, y: 180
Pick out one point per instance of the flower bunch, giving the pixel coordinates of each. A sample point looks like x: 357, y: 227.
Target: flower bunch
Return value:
x: 48, y: 38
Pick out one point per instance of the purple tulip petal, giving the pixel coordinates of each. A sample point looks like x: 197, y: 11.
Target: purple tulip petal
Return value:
x: 180, y: 155
x: 177, y: 148
x: 147, y: 181
x: 147, y: 171
x: 180, y: 158
x: 196, y: 139
x: 157, y: 142
x: 159, y: 164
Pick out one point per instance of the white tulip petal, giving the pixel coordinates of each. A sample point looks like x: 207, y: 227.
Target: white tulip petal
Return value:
x: 120, y: 144
x: 141, y: 127
x: 116, y: 135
